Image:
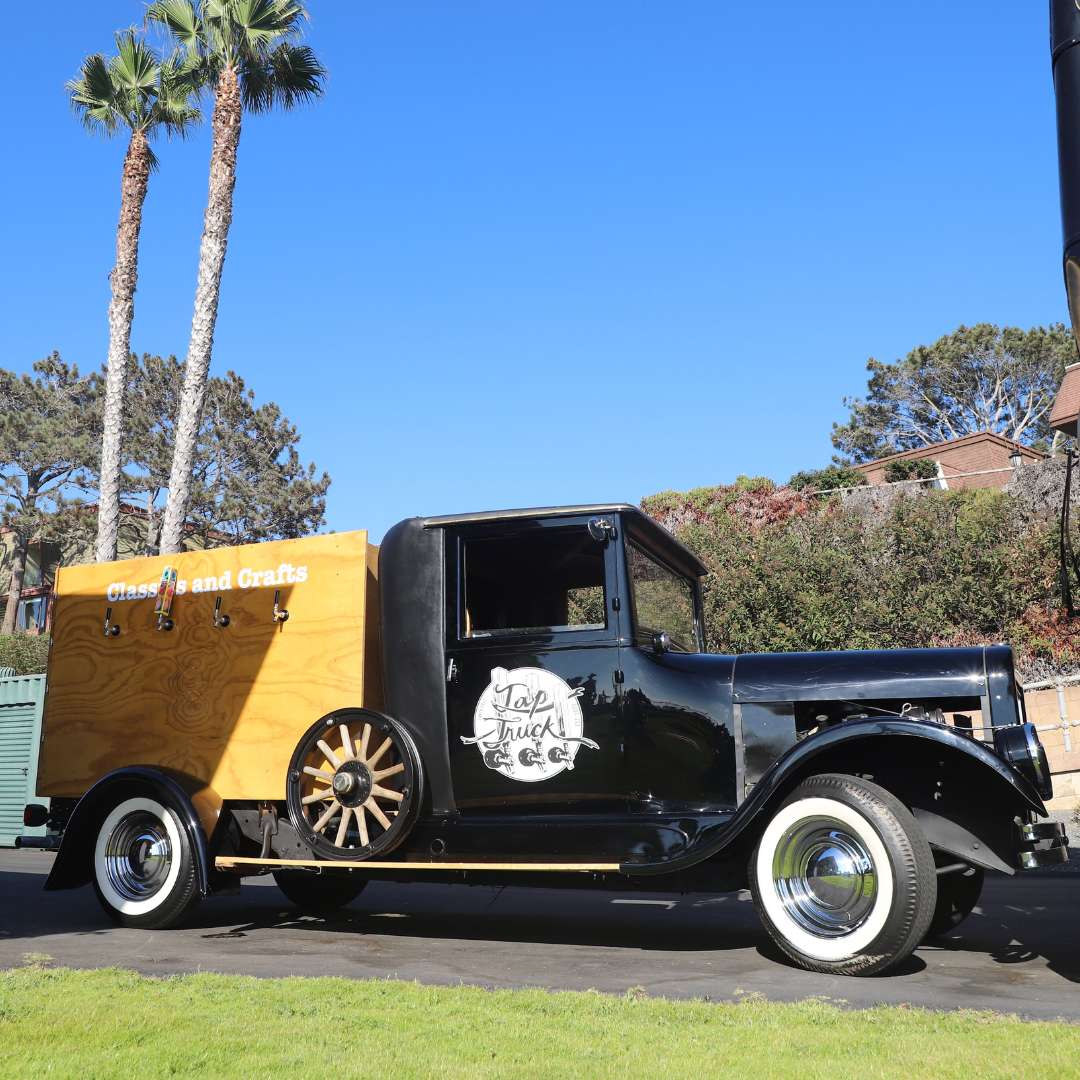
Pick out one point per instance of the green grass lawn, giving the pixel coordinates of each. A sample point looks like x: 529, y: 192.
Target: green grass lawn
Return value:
x: 95, y: 1024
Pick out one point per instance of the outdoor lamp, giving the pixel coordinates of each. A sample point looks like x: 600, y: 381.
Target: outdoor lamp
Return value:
x: 1016, y: 459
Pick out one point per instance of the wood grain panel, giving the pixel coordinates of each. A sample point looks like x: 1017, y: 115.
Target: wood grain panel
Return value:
x: 224, y: 704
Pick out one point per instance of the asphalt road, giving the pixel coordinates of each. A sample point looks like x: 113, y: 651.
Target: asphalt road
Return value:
x: 1019, y: 952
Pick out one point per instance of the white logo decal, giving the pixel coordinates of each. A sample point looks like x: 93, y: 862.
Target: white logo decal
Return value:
x: 528, y: 724
x: 286, y: 574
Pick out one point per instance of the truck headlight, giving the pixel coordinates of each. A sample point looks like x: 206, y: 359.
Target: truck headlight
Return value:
x: 1019, y: 745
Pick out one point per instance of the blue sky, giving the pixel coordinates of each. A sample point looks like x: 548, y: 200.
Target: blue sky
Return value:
x: 538, y: 252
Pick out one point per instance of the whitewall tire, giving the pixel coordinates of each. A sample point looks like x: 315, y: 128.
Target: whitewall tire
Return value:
x: 843, y: 878
x: 144, y: 867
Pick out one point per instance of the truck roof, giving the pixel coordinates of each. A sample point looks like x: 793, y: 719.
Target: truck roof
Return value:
x: 646, y: 528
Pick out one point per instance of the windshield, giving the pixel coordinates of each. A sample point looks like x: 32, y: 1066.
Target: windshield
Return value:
x: 663, y: 601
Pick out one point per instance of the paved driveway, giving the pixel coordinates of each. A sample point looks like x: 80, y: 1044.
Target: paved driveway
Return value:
x: 1019, y: 952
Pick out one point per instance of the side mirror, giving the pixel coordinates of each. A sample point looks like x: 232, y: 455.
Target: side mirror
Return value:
x: 601, y: 529
x: 661, y: 643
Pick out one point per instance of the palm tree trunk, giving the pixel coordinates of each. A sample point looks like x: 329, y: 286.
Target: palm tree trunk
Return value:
x: 134, y: 179
x: 18, y: 568
x: 226, y: 129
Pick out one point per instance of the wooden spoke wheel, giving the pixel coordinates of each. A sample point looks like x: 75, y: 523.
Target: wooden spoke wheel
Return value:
x: 354, y: 786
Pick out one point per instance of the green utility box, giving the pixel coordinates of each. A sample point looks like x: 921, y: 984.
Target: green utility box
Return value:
x: 21, y: 701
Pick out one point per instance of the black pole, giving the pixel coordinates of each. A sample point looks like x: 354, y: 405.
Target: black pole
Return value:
x: 1065, y: 61
x: 1065, y: 58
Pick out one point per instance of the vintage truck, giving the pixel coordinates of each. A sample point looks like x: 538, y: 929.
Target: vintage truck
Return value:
x: 518, y: 697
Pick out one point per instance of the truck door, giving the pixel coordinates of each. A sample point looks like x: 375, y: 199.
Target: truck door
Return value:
x: 532, y: 658
x: 676, y: 701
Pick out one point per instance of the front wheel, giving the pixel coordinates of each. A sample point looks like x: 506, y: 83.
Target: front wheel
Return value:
x: 144, y: 866
x: 843, y: 877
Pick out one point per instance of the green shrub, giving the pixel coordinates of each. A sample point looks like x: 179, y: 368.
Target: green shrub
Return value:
x: 938, y: 568
x: 28, y: 654
x: 753, y: 483
x: 828, y: 479
x: 910, y: 469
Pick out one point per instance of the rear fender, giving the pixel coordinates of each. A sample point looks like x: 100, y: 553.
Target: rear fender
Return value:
x: 964, y: 796
x: 195, y: 804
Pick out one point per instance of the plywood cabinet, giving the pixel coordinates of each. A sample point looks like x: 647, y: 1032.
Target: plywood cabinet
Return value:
x: 226, y: 693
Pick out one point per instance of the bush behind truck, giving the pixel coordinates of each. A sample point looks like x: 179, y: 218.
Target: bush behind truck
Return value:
x: 518, y: 697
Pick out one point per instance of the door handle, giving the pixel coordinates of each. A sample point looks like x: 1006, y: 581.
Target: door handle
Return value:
x: 452, y: 672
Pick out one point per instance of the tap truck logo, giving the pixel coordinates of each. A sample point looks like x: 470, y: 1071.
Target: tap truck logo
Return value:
x: 527, y: 724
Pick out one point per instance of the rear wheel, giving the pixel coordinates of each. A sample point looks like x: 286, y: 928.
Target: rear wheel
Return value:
x: 957, y: 894
x: 318, y: 893
x: 843, y: 878
x: 144, y: 866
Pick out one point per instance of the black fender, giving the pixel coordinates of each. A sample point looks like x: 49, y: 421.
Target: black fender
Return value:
x: 844, y: 748
x: 182, y: 794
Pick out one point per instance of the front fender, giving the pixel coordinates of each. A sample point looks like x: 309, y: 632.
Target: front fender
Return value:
x: 799, y: 763
x: 196, y: 805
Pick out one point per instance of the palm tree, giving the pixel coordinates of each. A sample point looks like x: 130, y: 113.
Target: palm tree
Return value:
x: 248, y: 54
x: 137, y: 91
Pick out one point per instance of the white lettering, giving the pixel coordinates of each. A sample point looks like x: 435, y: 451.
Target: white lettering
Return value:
x: 301, y: 573
x: 243, y: 579
x: 225, y: 581
x: 181, y: 587
x: 116, y: 590
x: 282, y: 571
x: 290, y: 573
x: 209, y: 584
x: 132, y: 593
x: 196, y: 585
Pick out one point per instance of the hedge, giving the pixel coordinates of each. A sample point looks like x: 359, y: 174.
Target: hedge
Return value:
x: 28, y: 654
x: 793, y: 571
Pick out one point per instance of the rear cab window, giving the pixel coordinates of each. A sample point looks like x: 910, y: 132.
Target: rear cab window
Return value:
x: 540, y: 581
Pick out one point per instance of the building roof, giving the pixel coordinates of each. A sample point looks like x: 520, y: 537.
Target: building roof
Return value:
x: 1067, y: 402
x: 963, y: 440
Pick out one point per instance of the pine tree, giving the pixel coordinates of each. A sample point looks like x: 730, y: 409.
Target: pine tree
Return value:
x: 49, y: 431
x: 248, y: 483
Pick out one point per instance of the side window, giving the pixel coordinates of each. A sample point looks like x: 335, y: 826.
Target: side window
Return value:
x: 32, y: 573
x: 535, y: 582
x: 663, y: 600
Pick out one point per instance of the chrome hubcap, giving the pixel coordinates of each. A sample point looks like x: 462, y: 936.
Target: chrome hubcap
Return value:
x: 138, y: 856
x: 825, y: 877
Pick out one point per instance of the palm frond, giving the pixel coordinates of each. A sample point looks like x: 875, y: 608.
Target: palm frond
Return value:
x: 180, y: 19
x: 181, y: 81
x: 265, y: 22
x: 135, y: 65
x: 138, y: 90
x: 93, y: 97
x: 289, y: 75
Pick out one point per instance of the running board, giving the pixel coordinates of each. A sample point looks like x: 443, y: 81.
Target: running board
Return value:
x: 226, y: 862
